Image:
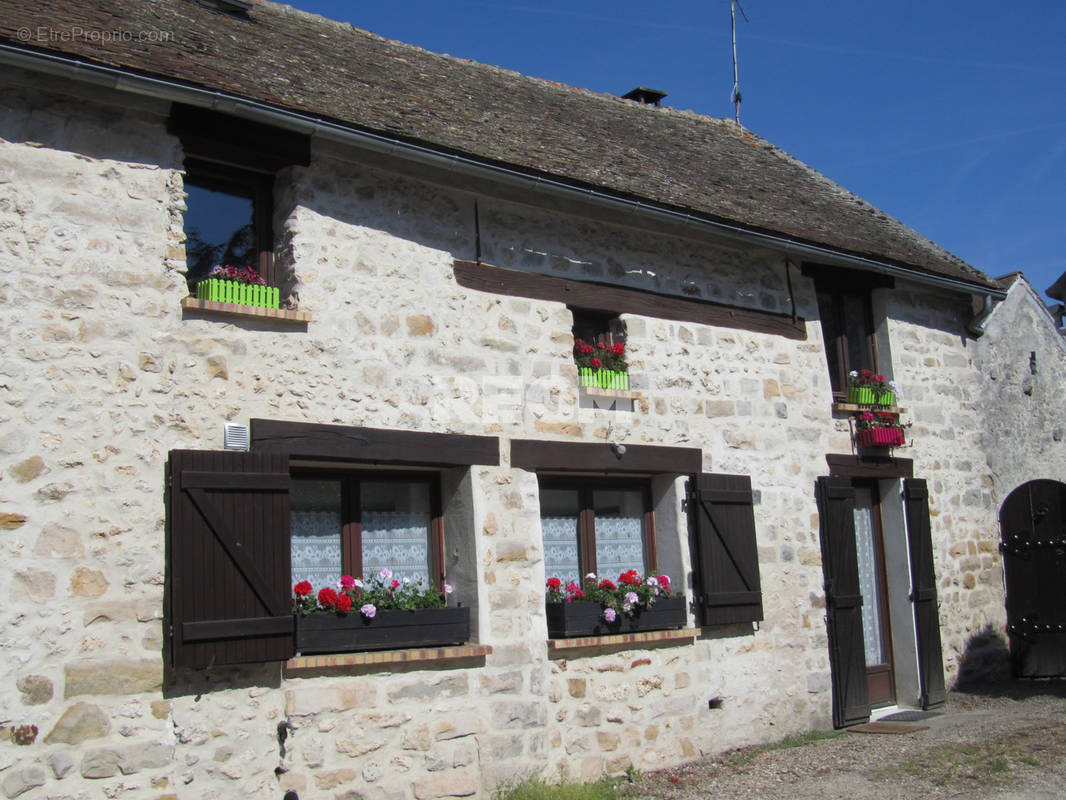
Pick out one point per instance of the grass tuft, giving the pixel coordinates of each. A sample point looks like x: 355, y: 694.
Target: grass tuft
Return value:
x: 532, y: 788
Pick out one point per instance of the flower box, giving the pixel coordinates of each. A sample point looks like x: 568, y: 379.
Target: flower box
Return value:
x: 388, y: 630
x: 867, y: 396
x: 579, y: 618
x: 604, y: 378
x: 239, y: 293
x: 880, y: 437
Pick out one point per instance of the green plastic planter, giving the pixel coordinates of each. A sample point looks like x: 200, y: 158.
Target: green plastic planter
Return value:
x: 868, y: 396
x: 239, y: 293
x: 604, y: 378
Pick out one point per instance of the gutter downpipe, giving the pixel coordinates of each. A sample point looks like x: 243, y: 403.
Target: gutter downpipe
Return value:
x: 976, y: 325
x: 172, y: 91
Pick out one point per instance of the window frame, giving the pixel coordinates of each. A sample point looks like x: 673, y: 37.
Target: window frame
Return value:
x: 585, y: 486
x: 247, y: 183
x: 351, y: 513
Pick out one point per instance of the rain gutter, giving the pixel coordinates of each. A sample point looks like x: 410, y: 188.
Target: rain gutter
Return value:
x: 124, y: 81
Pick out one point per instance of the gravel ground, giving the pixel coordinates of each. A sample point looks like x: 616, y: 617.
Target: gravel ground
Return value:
x: 1006, y: 741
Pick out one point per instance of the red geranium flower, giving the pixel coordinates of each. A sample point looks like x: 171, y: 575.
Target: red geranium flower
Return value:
x: 302, y: 589
x: 327, y: 598
x: 601, y: 346
x: 395, y: 584
x: 607, y: 586
x: 664, y: 581
x: 344, y: 602
x: 619, y: 349
x: 554, y: 584
x: 597, y: 363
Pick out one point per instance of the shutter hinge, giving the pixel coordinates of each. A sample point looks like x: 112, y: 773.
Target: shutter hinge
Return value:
x: 691, y: 496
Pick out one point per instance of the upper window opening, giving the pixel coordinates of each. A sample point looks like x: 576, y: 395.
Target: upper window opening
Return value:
x: 230, y: 167
x: 598, y: 327
x: 847, y: 319
x: 227, y: 221
x: 847, y: 327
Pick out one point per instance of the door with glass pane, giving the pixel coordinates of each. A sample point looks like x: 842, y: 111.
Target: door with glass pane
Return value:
x: 876, y: 634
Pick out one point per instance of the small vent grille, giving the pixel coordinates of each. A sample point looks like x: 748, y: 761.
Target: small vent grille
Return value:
x: 236, y: 436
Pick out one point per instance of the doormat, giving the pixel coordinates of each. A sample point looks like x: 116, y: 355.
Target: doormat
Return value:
x: 888, y: 727
x: 909, y: 716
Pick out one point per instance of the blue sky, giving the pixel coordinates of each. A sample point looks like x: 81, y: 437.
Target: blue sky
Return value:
x: 947, y: 114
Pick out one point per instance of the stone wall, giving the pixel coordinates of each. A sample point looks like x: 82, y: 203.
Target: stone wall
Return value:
x: 102, y: 376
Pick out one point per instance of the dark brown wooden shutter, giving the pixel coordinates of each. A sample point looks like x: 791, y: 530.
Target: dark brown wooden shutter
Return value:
x: 843, y: 602
x: 228, y: 558
x: 725, y: 551
x: 923, y: 593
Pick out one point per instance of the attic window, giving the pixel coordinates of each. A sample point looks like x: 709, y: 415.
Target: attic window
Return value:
x: 239, y: 8
x: 642, y: 94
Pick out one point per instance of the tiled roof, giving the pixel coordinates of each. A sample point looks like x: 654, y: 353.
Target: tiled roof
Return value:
x: 307, y: 64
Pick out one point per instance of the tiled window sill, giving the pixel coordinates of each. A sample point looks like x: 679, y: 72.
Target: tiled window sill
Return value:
x: 854, y: 407
x: 594, y: 391
x: 245, y: 312
x: 558, y: 647
x: 384, y: 659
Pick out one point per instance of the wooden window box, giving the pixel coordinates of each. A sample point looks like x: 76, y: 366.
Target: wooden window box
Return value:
x: 567, y: 620
x: 388, y: 630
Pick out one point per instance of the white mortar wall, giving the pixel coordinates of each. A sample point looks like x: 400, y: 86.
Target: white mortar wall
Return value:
x: 102, y: 376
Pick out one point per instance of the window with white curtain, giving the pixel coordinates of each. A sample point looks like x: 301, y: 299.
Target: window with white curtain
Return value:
x: 359, y: 524
x: 602, y: 527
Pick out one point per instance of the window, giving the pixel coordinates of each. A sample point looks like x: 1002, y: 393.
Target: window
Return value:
x: 605, y: 527
x: 598, y: 327
x: 236, y: 521
x: 227, y: 219
x: 847, y: 327
x: 359, y: 523
x: 847, y: 321
x: 230, y: 168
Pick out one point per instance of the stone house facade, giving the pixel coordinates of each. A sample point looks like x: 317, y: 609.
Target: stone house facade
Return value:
x: 439, y: 238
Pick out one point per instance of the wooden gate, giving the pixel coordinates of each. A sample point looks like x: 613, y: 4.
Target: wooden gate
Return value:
x: 1033, y: 542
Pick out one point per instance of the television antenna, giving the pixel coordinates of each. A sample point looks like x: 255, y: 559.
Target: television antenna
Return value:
x: 734, y: 97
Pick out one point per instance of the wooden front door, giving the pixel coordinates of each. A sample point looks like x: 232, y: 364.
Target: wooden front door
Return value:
x: 1033, y: 527
x: 873, y: 586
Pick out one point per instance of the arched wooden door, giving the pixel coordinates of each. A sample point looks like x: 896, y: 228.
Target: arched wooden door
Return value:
x: 1033, y: 541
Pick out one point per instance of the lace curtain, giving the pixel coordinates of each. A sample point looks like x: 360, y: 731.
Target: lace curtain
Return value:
x: 397, y: 540
x: 560, y: 548
x: 619, y: 545
x: 871, y: 611
x: 316, y: 547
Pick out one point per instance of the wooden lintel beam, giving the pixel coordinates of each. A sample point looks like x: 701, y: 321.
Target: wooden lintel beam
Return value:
x: 624, y: 300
